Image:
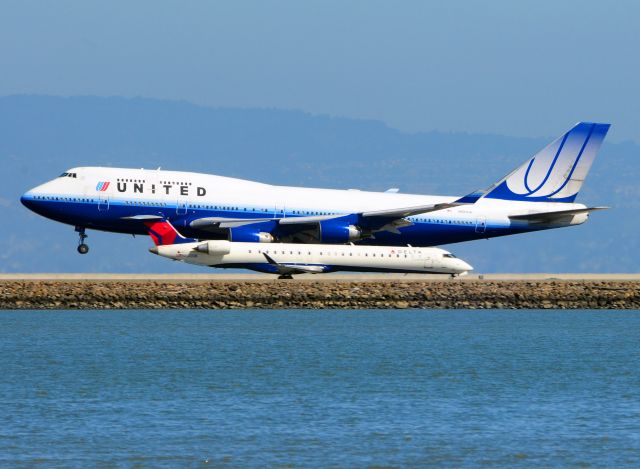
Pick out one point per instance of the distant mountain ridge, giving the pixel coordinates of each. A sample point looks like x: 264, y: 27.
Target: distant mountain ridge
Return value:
x: 41, y: 136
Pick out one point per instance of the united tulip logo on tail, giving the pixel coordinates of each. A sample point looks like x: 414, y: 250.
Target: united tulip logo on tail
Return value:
x: 102, y: 186
x: 556, y: 173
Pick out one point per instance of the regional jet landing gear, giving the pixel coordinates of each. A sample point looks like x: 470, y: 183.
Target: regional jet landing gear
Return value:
x: 82, y: 247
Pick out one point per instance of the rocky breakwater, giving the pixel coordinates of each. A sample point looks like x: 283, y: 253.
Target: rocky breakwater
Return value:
x: 471, y: 294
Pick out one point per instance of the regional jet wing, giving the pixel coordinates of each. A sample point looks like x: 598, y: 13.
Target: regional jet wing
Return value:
x: 287, y: 269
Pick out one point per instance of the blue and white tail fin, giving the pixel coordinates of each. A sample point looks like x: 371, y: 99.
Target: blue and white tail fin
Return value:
x: 555, y: 173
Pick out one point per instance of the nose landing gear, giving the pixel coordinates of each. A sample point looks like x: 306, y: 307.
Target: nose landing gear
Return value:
x: 82, y: 247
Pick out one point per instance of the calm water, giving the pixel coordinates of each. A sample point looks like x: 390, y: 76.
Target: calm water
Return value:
x: 326, y: 388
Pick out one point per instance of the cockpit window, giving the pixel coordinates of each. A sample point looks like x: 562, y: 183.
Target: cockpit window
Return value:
x: 68, y: 175
x: 449, y: 256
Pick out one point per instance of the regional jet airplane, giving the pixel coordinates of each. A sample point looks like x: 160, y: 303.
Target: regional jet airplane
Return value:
x: 286, y: 259
x: 538, y: 195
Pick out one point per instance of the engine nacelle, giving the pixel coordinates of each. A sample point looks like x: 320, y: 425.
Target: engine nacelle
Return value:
x: 214, y: 248
x: 337, y: 231
x: 249, y: 235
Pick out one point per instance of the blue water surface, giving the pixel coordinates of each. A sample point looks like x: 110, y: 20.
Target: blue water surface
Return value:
x: 320, y: 388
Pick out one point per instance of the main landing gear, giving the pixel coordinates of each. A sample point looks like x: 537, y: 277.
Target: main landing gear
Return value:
x: 82, y: 247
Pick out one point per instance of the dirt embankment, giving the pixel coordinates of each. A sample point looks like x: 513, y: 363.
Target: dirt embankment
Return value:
x: 90, y: 294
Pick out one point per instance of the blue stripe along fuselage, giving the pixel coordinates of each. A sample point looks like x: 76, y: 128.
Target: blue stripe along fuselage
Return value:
x: 328, y: 268
x: 429, y: 231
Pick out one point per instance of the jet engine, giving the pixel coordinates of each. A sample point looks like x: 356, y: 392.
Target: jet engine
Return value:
x: 214, y: 248
x: 338, y: 232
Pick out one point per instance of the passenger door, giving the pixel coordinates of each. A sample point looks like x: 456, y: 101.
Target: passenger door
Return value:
x: 278, y: 211
x: 425, y: 260
x: 182, y: 207
x: 103, y: 203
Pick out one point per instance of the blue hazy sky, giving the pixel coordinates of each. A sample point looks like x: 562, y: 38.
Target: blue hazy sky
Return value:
x: 525, y: 68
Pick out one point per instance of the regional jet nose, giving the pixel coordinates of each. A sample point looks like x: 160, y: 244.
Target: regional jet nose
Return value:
x: 463, y: 266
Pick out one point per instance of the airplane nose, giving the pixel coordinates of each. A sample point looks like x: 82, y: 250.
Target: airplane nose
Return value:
x: 464, y: 266
x: 153, y: 250
x: 27, y: 200
x: 34, y: 201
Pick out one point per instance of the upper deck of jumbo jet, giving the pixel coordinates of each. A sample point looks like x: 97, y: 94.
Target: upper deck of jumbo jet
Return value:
x: 86, y: 177
x: 83, y: 180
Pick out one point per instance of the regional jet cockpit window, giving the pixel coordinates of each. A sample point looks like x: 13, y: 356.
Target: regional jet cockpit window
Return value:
x: 450, y: 256
x: 68, y: 175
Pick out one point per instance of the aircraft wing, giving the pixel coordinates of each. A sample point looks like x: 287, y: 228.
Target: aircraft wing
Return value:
x: 219, y: 223
x: 307, y: 220
x: 294, y: 268
x: 215, y: 223
x: 374, y: 220
x: 409, y: 211
x: 388, y: 213
x: 143, y: 217
x: 550, y: 217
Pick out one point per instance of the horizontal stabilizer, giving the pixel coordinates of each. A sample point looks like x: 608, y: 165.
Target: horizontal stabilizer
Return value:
x: 549, y: 217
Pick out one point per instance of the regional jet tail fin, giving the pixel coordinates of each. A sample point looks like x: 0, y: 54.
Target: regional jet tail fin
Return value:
x: 555, y: 173
x: 163, y: 233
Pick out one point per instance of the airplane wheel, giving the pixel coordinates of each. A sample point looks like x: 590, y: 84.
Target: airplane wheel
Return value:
x: 285, y: 277
x: 83, y: 248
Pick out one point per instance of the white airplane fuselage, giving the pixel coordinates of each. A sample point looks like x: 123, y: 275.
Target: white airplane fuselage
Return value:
x: 314, y: 258
x: 118, y: 199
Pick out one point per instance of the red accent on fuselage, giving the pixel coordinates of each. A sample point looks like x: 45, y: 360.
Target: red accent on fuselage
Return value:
x: 161, y: 232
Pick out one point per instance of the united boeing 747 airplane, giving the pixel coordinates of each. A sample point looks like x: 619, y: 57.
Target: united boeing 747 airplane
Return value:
x: 538, y: 195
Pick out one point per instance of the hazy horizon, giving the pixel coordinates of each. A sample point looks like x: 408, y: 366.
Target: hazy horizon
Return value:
x: 523, y: 69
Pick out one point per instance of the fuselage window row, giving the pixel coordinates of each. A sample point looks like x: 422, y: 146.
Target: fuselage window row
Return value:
x: 227, y: 208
